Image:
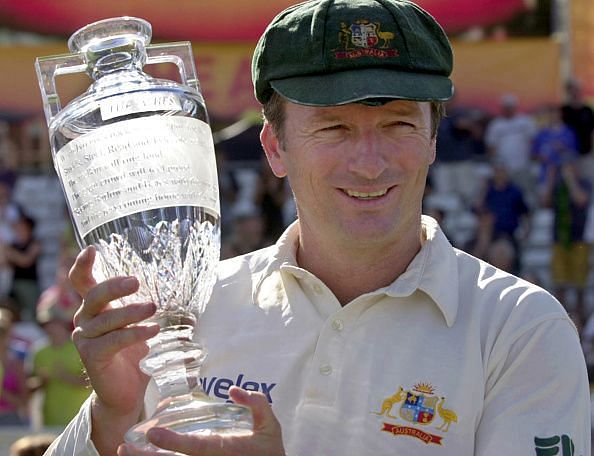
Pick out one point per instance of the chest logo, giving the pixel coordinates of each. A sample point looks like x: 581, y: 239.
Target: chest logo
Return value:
x: 421, y: 409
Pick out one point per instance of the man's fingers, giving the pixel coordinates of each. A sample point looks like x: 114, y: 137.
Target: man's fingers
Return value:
x: 100, y: 295
x: 108, y: 345
x: 266, y: 435
x: 264, y: 419
x: 113, y: 319
x: 81, y: 273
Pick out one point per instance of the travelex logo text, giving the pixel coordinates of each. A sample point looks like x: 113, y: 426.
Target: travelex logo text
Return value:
x: 219, y: 386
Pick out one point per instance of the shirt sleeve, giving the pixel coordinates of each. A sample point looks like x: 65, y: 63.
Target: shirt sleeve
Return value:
x: 537, y: 397
x: 76, y: 438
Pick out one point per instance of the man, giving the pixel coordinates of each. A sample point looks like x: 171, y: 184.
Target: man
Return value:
x: 509, y: 139
x: 459, y: 148
x: 364, y: 330
x: 578, y: 116
x: 568, y: 193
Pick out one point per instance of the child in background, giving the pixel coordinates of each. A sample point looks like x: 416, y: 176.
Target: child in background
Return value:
x: 22, y: 255
x: 57, y: 369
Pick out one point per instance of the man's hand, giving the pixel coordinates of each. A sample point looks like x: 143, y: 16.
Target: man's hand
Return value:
x: 111, y: 343
x: 266, y: 440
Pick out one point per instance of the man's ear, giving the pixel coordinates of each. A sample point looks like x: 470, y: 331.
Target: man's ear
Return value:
x: 433, y: 147
x: 273, y: 149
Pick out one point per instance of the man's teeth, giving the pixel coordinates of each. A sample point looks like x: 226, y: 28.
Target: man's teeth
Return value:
x: 363, y: 195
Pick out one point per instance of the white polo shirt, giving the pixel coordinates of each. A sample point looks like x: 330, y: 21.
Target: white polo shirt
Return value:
x: 454, y: 357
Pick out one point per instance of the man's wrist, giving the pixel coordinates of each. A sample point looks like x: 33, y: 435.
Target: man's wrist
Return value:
x: 108, y: 426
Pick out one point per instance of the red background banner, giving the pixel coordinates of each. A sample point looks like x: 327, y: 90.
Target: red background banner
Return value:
x: 482, y: 72
x: 217, y: 20
x: 224, y: 35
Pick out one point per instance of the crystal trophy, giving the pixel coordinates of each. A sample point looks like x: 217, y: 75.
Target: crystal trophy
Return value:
x: 135, y: 158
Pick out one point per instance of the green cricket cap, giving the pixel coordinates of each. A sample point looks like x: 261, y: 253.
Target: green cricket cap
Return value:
x: 332, y: 52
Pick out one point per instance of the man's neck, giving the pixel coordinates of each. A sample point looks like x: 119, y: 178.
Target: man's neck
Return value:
x: 351, y: 272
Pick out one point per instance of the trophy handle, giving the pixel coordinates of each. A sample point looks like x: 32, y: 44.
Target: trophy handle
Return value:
x: 47, y: 69
x: 180, y: 54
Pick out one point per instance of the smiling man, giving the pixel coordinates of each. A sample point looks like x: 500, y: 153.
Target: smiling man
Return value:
x: 362, y: 331
x: 358, y: 174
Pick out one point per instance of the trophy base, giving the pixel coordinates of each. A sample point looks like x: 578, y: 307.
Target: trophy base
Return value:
x: 193, y: 416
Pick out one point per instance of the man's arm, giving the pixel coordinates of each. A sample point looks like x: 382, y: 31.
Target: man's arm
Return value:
x: 111, y: 341
x: 537, y: 394
x: 579, y: 194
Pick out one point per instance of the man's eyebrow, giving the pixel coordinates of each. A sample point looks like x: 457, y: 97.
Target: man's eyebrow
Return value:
x: 326, y: 116
x: 405, y: 109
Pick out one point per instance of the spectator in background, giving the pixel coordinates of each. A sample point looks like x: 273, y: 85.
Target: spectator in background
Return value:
x: 32, y: 445
x: 34, y: 152
x: 56, y: 367
x: 459, y: 144
x: 509, y: 140
x: 22, y: 256
x: 13, y: 396
x: 504, y: 208
x: 270, y: 197
x: 587, y: 339
x: 553, y: 143
x: 8, y: 159
x: 502, y: 254
x: 4, y: 332
x: 578, y: 116
x: 228, y: 190
x: 248, y: 231
x: 9, y: 214
x: 568, y: 193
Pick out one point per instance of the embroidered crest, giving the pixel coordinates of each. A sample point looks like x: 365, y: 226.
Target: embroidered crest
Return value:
x: 419, y: 407
x: 364, y: 38
x: 363, y: 34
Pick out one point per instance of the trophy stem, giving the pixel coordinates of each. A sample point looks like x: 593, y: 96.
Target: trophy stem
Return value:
x: 174, y: 362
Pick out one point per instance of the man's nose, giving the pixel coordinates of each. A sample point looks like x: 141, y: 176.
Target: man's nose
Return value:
x: 368, y: 157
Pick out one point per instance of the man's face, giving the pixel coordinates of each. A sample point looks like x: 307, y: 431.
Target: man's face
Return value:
x: 357, y: 172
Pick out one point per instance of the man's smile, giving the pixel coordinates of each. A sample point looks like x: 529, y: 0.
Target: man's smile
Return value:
x: 366, y: 195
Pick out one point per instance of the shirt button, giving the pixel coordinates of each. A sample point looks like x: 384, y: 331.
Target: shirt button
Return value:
x: 337, y: 325
x: 318, y: 288
x: 325, y: 369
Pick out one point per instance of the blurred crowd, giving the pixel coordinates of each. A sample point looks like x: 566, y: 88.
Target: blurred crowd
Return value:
x: 513, y: 174
x: 514, y: 189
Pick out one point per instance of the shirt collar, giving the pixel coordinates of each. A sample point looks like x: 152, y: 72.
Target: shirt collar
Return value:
x: 434, y: 270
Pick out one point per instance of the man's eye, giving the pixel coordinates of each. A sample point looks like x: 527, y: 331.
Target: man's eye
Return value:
x: 401, y: 124
x: 333, y: 127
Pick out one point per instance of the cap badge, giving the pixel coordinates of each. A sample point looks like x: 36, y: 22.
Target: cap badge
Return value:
x: 364, y: 39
